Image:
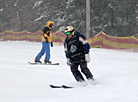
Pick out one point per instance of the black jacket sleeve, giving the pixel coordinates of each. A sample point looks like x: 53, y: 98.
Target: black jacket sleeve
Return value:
x: 46, y: 31
x: 84, y: 41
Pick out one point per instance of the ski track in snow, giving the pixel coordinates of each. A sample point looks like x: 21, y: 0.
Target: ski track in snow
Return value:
x: 116, y: 73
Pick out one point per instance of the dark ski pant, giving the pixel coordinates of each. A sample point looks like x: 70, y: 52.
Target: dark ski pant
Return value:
x: 84, y: 69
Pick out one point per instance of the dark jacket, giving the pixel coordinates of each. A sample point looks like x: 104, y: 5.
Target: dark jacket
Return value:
x: 76, y: 48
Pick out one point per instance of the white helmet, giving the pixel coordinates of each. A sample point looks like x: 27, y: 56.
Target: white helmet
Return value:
x: 69, y: 29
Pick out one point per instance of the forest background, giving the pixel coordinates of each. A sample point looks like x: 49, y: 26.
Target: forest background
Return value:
x: 113, y: 17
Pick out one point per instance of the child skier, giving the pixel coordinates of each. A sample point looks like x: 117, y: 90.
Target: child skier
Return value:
x: 76, y: 49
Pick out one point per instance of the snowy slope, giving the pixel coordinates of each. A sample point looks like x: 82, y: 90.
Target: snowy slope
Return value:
x: 116, y: 74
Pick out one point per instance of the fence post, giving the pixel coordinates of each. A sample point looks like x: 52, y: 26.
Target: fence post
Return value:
x: 58, y: 37
x: 133, y: 43
x: 101, y: 39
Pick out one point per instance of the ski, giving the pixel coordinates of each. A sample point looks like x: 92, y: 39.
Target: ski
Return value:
x: 62, y: 86
x: 66, y: 87
x: 34, y: 63
x: 55, y: 86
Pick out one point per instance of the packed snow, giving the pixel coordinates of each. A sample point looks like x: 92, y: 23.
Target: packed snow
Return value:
x: 115, y: 73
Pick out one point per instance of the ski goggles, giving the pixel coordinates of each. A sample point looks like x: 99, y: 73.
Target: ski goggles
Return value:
x: 51, y: 25
x: 68, y: 33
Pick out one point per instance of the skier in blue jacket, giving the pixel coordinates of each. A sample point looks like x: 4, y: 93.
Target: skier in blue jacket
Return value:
x: 76, y: 49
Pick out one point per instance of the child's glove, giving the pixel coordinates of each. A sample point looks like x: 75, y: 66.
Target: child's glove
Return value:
x: 87, y: 58
x: 68, y: 62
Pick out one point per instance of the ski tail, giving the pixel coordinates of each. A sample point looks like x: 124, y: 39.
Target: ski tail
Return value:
x: 66, y: 87
x: 55, y: 86
x: 62, y: 86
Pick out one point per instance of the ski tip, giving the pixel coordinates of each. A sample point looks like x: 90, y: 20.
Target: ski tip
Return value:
x: 54, y: 63
x: 51, y: 85
x: 57, y: 63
